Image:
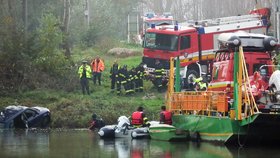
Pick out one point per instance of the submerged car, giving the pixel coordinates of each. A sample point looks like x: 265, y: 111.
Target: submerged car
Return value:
x: 25, y: 117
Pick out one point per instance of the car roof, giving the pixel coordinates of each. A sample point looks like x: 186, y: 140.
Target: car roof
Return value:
x: 15, y: 107
x: 38, y: 108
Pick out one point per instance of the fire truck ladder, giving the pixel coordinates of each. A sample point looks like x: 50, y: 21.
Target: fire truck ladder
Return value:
x: 230, y: 20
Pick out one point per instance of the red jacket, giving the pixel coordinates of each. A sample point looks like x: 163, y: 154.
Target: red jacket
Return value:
x: 137, y: 118
x: 166, y: 117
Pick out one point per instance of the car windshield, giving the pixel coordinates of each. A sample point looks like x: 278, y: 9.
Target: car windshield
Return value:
x: 161, y: 41
x: 9, y: 111
x: 28, y: 113
x: 159, y: 22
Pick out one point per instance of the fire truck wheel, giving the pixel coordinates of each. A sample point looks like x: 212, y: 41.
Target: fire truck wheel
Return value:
x: 190, y: 74
x: 272, y: 95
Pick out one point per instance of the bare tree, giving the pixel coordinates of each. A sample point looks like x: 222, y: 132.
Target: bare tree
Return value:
x: 158, y: 6
x: 24, y: 13
x: 65, y: 30
x: 180, y: 10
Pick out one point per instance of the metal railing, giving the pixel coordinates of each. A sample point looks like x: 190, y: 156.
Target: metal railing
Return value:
x: 200, y: 102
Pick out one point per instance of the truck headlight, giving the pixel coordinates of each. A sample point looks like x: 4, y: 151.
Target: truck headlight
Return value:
x: 145, y: 66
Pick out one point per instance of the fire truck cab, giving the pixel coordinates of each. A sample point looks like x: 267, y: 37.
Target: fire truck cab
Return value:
x: 158, y: 20
x: 194, y: 43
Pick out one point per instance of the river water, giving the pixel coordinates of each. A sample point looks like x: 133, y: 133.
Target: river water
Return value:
x: 82, y: 143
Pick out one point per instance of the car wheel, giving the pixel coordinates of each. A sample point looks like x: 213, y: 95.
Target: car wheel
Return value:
x: 12, y: 125
x: 45, y: 122
x: 272, y: 95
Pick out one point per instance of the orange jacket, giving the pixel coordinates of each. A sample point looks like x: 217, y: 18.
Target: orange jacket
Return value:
x: 97, y: 66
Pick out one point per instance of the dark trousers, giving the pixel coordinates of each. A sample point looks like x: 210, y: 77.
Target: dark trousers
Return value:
x: 131, y: 86
x: 85, y: 86
x: 119, y: 86
x: 126, y: 87
x: 158, y: 83
x: 139, y: 85
x: 97, y: 75
x: 136, y: 83
x: 113, y: 81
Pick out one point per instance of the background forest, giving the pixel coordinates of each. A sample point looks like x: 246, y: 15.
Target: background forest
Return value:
x: 42, y: 42
x: 39, y: 37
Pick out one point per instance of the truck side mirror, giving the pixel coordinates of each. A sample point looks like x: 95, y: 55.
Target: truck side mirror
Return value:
x: 209, y: 78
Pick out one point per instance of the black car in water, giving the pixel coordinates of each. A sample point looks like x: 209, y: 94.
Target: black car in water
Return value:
x: 25, y: 117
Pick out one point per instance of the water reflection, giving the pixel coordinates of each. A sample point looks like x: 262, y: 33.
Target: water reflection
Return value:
x: 23, y: 143
x: 125, y: 148
x: 87, y: 144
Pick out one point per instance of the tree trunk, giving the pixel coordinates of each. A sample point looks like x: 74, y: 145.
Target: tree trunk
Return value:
x: 24, y: 18
x: 24, y: 13
x: 66, y: 19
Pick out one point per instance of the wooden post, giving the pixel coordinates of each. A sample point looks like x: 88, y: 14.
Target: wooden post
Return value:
x: 128, y: 29
x: 178, y: 78
x: 87, y: 13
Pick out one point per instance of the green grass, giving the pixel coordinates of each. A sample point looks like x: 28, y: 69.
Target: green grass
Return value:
x: 74, y: 110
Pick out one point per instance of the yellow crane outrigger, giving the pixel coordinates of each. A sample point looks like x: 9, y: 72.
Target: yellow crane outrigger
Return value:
x: 209, y: 102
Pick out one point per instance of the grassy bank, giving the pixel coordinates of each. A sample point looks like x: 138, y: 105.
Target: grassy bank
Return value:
x: 74, y: 110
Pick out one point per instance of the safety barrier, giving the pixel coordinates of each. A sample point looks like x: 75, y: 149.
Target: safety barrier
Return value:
x: 201, y: 102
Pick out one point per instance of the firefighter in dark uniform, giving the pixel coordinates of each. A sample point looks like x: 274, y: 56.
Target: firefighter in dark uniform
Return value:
x: 125, y: 79
x: 159, y: 72
x: 138, y: 118
x: 165, y: 116
x: 114, y: 75
x: 131, y: 80
x: 96, y: 122
x: 121, y: 79
x: 139, y: 78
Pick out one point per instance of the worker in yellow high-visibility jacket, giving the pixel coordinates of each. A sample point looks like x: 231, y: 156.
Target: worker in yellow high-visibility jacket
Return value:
x: 85, y: 74
x: 200, y: 85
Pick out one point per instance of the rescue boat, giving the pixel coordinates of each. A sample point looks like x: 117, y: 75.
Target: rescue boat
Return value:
x: 167, y: 132
x: 124, y: 130
x: 233, y: 115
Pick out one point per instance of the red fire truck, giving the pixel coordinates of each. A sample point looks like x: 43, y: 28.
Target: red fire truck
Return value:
x: 194, y: 43
x: 158, y: 20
